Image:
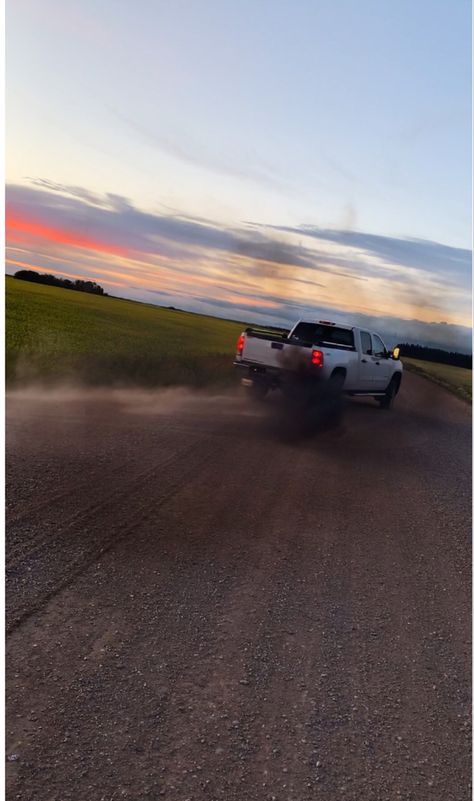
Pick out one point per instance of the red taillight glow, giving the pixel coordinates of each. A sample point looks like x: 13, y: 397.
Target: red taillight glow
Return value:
x: 317, y: 358
x: 240, y: 344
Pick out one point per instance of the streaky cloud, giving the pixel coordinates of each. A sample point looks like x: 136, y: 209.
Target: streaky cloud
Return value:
x: 197, y: 154
x: 118, y: 221
x: 421, y: 254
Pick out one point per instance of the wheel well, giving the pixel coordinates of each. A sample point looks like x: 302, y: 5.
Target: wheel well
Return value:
x: 397, y: 380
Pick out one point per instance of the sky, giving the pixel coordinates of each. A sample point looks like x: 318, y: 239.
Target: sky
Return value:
x: 263, y: 161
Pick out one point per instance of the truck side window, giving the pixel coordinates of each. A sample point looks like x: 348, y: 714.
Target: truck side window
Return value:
x: 366, y: 342
x: 378, y: 348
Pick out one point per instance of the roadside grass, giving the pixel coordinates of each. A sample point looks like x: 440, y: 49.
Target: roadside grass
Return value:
x: 57, y: 335
x: 457, y: 379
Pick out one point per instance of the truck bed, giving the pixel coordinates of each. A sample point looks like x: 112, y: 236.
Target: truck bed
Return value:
x: 272, y: 349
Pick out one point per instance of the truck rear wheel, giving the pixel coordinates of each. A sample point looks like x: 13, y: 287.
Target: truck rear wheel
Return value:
x: 333, y: 399
x: 336, y: 383
x: 386, y: 401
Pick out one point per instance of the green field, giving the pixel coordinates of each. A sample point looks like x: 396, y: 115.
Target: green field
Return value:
x: 57, y: 334
x: 456, y: 379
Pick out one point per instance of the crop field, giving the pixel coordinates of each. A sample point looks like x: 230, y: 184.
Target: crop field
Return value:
x: 456, y: 379
x: 57, y: 334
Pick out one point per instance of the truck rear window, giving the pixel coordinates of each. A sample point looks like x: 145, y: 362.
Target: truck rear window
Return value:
x: 317, y: 334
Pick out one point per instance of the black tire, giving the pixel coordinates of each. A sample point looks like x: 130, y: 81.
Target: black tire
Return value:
x: 333, y: 400
x: 336, y: 383
x: 386, y: 401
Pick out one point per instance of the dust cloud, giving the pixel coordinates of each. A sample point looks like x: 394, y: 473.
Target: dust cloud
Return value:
x: 71, y: 410
x: 74, y: 402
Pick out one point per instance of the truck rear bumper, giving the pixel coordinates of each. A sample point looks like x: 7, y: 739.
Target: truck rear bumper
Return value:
x: 254, y: 367
x: 250, y: 371
x: 289, y: 381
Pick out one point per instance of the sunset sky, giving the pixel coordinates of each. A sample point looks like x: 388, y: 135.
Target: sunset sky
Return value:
x: 258, y: 160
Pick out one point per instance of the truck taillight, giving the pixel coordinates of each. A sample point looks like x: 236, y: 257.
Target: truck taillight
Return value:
x: 317, y: 358
x: 240, y: 344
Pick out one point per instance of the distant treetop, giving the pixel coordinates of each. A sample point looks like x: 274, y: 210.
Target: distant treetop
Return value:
x: 65, y: 283
x: 436, y: 355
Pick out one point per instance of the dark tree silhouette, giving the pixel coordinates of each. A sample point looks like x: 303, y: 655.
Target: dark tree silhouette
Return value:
x: 65, y: 283
x: 436, y: 355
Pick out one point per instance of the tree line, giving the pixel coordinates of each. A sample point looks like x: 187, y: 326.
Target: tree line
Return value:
x: 436, y: 355
x: 65, y: 283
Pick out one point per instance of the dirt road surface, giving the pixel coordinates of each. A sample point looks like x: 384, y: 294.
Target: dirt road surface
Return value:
x: 200, y: 607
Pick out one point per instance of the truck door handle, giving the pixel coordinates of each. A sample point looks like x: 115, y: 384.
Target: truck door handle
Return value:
x: 377, y: 362
x: 364, y: 361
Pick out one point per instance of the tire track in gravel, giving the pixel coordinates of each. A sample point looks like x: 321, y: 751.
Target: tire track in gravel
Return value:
x: 28, y: 547
x: 19, y: 519
x: 84, y: 537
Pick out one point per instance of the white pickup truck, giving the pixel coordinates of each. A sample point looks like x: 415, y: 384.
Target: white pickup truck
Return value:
x: 343, y: 358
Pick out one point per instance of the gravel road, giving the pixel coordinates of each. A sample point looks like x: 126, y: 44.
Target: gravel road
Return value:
x: 201, y: 607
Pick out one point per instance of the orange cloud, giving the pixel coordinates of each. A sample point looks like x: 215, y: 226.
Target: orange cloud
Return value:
x: 260, y: 302
x: 21, y: 229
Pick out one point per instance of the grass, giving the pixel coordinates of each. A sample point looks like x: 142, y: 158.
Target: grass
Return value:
x: 55, y: 334
x: 457, y: 379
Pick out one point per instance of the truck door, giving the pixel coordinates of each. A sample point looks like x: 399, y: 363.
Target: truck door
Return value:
x: 366, y: 366
x: 380, y: 364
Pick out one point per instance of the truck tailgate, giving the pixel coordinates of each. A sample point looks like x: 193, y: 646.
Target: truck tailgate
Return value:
x: 276, y: 352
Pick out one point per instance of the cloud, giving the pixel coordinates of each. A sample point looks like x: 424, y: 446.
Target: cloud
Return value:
x: 278, y: 272
x: 116, y: 221
x: 191, y: 151
x: 420, y: 254
x: 67, y: 189
x: 23, y: 229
